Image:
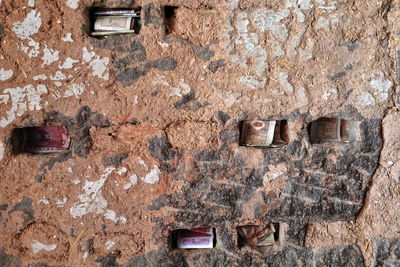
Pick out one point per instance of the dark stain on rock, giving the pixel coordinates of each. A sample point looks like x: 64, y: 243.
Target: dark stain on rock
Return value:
x: 137, y: 54
x: 340, y: 74
x: 78, y: 127
x: 49, y: 164
x: 337, y: 75
x: 118, y: 43
x: 81, y: 142
x: 386, y: 252
x: 108, y: 261
x: 204, y: 53
x: 9, y: 260
x: 25, y: 206
x: 340, y: 256
x: 215, y: 65
x: 352, y: 46
x: 2, y: 30
x: 152, y: 15
x: 128, y: 76
x: 131, y: 58
x: 160, y: 149
x: 189, y: 102
x: 90, y: 246
x: 3, y: 206
x: 164, y: 64
x: 207, y: 155
x: 114, y: 160
x: 222, y: 117
x: 41, y: 264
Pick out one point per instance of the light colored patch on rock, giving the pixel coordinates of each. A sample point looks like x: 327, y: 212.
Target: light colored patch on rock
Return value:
x: 160, y: 80
x: 58, y: 76
x: 133, y: 179
x: 44, y: 201
x: 163, y: 44
x: 87, y: 55
x: 92, y: 200
x: 40, y: 77
x: 29, y: 26
x: 68, y: 38
x: 111, y: 215
x: 367, y: 99
x: 328, y: 94
x: 382, y: 86
x: 1, y: 151
x: 327, y: 23
x: 22, y: 100
x: 33, y: 46
x: 122, y: 171
x: 5, y: 74
x: 269, y: 20
x: 109, y: 244
x: 4, y: 99
x: 62, y: 202
x: 142, y: 162
x: 229, y: 98
x: 68, y: 63
x: 251, y: 82
x: 73, y: 4
x: 74, y: 89
x: 283, y: 80
x: 37, y: 246
x: 99, y: 67
x: 49, y: 56
x: 182, y: 89
x: 302, y: 96
x: 31, y: 3
x: 153, y: 176
x: 98, y: 64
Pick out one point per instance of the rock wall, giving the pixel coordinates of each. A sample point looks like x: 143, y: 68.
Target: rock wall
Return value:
x: 155, y: 119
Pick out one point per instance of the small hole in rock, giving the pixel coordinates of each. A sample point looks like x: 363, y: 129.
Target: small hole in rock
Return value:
x: 106, y: 22
x: 195, y: 238
x: 40, y: 139
x: 169, y: 18
x: 264, y: 133
x: 325, y: 130
x: 258, y: 235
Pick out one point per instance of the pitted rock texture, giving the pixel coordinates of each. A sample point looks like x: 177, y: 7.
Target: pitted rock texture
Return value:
x: 155, y: 119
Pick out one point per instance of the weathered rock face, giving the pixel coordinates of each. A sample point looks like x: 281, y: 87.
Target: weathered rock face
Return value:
x: 155, y: 119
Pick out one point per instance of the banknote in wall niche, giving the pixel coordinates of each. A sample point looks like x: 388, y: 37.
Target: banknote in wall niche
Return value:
x: 326, y: 130
x: 195, y: 238
x: 45, y: 139
x: 115, y: 21
x: 264, y: 133
x: 258, y: 235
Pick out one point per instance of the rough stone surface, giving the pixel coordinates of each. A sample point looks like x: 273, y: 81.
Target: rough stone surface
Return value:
x: 155, y: 120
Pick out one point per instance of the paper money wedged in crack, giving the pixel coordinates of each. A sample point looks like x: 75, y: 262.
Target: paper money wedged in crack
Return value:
x: 261, y: 133
x: 112, y: 23
x: 257, y: 235
x: 45, y: 139
x: 115, y: 21
x: 334, y: 130
x: 195, y: 238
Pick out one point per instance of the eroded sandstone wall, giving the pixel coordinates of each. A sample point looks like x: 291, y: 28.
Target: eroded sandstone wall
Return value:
x: 155, y: 122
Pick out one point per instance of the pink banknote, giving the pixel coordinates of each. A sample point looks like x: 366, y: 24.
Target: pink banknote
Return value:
x: 45, y: 139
